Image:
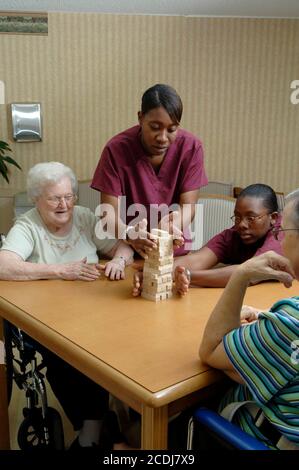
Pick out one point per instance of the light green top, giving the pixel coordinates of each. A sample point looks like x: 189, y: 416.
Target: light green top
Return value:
x: 30, y: 239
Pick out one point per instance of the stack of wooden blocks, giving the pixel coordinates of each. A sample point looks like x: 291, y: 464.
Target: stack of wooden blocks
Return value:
x: 157, y: 271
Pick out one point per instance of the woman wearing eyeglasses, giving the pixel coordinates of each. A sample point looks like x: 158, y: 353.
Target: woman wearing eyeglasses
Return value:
x: 262, y: 357
x: 255, y: 215
x: 56, y: 240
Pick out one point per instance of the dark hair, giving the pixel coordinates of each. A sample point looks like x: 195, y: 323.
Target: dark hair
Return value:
x: 165, y: 96
x: 264, y: 192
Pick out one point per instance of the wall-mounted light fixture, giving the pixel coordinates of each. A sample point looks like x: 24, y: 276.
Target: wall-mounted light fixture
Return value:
x: 26, y: 122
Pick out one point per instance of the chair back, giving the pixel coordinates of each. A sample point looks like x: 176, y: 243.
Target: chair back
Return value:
x: 207, y: 428
x: 88, y: 197
x: 218, y: 187
x: 216, y: 216
x: 22, y: 204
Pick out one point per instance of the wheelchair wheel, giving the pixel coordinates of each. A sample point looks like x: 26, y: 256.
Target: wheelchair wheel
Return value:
x: 31, y: 433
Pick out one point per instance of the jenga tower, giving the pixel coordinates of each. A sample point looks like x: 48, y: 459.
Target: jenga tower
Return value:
x: 157, y: 271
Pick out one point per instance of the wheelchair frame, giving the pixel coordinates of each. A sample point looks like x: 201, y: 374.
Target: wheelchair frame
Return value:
x: 42, y: 425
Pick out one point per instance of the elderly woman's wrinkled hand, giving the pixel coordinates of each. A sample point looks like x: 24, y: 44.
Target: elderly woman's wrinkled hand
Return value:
x: 266, y: 267
x: 114, y: 269
x: 78, y: 270
x: 249, y: 314
x: 181, y: 280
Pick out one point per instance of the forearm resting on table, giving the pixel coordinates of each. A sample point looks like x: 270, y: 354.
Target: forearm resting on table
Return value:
x: 13, y: 268
x: 203, y: 267
x: 215, y: 277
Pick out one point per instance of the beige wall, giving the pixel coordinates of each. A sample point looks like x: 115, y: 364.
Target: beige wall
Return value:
x: 90, y: 71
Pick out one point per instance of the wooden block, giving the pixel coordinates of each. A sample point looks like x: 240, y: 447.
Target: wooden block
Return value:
x: 162, y: 269
x: 158, y: 258
x: 157, y: 271
x: 157, y: 232
x: 149, y: 288
x: 157, y: 281
x: 156, y: 297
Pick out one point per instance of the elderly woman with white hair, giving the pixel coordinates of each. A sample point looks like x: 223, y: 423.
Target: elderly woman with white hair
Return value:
x: 56, y: 240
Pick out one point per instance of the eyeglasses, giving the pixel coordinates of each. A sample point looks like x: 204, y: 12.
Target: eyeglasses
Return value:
x: 54, y: 201
x: 276, y: 230
x: 249, y: 219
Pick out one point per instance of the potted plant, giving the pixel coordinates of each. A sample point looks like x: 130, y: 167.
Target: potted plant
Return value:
x: 6, y: 159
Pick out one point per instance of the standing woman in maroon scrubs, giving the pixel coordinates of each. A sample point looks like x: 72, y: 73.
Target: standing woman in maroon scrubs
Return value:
x: 153, y: 163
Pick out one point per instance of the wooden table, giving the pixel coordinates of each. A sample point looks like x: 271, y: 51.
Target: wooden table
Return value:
x: 144, y: 353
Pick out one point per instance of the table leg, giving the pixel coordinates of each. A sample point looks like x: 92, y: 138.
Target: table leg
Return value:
x: 4, y: 423
x: 154, y: 427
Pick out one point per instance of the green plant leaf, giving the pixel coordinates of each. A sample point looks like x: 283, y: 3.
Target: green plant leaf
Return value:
x: 4, y: 146
x: 4, y: 176
x: 3, y: 165
x: 4, y: 170
x: 11, y: 161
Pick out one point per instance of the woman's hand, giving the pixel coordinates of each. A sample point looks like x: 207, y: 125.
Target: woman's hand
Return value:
x: 181, y: 280
x: 137, y: 282
x: 78, y: 270
x: 171, y: 224
x: 249, y: 314
x: 141, y: 240
x: 114, y: 269
x: 265, y: 267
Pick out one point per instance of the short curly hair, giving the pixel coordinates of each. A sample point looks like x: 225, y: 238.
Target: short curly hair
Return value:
x: 45, y: 174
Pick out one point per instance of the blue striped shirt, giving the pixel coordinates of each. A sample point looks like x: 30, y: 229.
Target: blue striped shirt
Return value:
x: 266, y: 355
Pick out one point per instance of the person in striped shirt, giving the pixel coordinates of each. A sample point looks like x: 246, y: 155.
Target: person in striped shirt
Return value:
x: 262, y: 356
